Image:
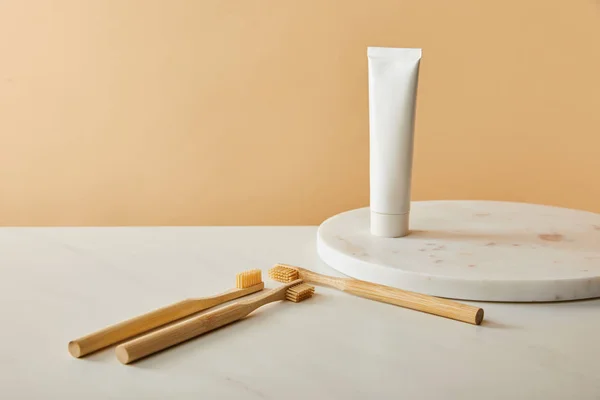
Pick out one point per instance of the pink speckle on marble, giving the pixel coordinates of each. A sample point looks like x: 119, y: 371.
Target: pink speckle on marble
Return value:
x: 551, y: 237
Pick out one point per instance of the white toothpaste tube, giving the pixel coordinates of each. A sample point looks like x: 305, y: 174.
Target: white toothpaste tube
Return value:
x: 393, y: 80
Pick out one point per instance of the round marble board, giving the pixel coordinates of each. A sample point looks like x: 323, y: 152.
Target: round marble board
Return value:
x: 473, y: 250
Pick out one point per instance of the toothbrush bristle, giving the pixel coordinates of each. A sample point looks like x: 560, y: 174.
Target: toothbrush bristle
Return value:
x: 282, y: 273
x: 299, y: 292
x: 248, y: 278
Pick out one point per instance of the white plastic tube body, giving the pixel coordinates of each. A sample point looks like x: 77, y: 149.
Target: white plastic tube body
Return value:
x: 393, y: 80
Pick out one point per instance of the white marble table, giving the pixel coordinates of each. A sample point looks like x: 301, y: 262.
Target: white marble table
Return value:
x: 60, y: 283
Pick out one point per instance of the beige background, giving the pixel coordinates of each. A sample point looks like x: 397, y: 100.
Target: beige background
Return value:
x: 255, y: 112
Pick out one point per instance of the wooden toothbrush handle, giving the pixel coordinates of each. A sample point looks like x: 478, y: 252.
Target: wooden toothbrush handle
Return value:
x: 131, y: 327
x: 180, y: 332
x: 143, y: 323
x: 195, y: 326
x: 415, y: 301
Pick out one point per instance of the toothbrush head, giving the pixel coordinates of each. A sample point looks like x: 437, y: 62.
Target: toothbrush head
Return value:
x: 283, y: 273
x: 299, y: 292
x: 249, y: 278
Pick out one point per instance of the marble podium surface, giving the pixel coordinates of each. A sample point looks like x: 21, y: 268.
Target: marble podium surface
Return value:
x: 473, y: 250
x: 57, y: 284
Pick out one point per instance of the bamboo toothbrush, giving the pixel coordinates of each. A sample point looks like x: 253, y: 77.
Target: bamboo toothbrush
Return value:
x: 246, y: 283
x: 415, y: 301
x: 171, y: 335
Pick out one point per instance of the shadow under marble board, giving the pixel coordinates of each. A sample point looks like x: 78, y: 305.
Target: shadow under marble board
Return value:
x: 473, y: 250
